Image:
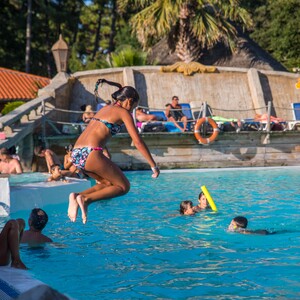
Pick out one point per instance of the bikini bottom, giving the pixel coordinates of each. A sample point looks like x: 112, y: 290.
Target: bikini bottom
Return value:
x: 80, y: 155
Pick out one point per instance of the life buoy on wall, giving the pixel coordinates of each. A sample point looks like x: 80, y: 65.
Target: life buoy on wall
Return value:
x: 210, y: 139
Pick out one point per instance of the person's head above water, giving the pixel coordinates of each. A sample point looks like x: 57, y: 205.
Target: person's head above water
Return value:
x: 38, y: 219
x: 238, y: 223
x: 186, y: 208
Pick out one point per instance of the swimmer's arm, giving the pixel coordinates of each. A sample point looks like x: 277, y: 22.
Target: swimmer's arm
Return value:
x: 139, y: 143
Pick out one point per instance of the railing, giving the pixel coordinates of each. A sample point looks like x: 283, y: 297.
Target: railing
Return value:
x: 15, y: 125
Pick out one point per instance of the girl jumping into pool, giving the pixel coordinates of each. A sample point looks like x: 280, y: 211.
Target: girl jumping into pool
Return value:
x: 88, y: 156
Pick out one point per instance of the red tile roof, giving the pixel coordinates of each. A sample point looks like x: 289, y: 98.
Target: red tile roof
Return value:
x: 16, y: 85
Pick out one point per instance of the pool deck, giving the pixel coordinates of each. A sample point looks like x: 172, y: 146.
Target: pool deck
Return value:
x: 20, y: 284
x: 39, y: 194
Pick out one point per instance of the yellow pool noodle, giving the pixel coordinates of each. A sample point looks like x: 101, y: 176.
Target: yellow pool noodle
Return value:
x: 209, y: 198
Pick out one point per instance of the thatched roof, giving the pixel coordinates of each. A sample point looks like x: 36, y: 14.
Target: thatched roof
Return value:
x: 248, y: 54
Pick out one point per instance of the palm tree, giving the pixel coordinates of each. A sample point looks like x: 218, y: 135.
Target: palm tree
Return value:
x: 191, y: 26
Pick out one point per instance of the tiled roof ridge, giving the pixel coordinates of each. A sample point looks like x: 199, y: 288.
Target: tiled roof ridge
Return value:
x: 16, y: 85
x: 22, y: 73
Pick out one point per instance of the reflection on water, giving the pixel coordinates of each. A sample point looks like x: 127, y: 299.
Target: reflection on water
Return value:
x: 138, y: 246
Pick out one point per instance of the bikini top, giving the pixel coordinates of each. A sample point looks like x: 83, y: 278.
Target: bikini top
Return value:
x: 113, y: 128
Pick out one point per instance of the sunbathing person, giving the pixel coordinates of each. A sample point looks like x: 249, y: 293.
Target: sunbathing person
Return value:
x: 174, y: 114
x: 10, y: 237
x: 141, y: 116
x: 264, y: 118
x: 8, y: 164
x: 37, y: 221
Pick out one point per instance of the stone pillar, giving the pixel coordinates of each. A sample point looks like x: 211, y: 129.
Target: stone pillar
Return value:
x: 25, y: 152
x: 128, y: 77
x: 256, y: 91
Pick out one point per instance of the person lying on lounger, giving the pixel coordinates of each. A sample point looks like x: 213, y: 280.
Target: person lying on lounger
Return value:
x: 141, y: 116
x: 264, y: 118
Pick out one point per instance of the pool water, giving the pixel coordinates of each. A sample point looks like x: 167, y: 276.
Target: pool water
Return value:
x: 138, y: 246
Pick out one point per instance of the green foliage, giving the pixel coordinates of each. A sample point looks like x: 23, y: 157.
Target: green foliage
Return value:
x: 8, y: 107
x: 278, y: 32
x: 87, y: 28
x: 128, y: 56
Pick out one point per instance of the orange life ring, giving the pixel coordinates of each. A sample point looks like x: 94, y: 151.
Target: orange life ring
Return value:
x: 210, y: 139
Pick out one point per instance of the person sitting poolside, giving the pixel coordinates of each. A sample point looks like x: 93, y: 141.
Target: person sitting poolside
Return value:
x: 8, y: 164
x: 186, y: 208
x: 240, y: 223
x: 88, y: 114
x: 174, y: 114
x: 10, y: 237
x: 37, y: 221
x: 202, y: 203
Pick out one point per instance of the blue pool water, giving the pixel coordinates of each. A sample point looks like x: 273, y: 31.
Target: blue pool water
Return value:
x: 139, y: 247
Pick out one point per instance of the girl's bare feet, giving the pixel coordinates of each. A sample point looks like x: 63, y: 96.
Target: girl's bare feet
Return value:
x: 73, y: 207
x: 83, y: 206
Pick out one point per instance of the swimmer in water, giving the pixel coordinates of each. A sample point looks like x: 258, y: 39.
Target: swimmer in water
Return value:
x: 240, y: 223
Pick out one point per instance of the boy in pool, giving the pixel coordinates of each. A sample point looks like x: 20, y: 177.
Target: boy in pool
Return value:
x: 240, y: 223
x: 202, y: 203
x: 10, y: 237
x: 186, y: 208
x: 37, y: 221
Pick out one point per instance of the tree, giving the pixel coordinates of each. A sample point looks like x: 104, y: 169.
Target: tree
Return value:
x: 190, y: 25
x: 277, y: 30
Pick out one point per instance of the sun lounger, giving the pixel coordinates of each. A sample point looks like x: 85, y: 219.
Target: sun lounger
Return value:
x: 292, y: 125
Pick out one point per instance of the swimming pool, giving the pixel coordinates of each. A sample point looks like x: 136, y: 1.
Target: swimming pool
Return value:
x: 139, y: 247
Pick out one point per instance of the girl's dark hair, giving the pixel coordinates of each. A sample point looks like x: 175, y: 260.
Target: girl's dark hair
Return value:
x: 122, y: 93
x: 125, y: 93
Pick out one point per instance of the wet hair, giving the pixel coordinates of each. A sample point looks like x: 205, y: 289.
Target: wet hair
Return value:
x: 38, y: 218
x: 241, y: 221
x: 184, y: 205
x: 175, y: 97
x: 200, y: 195
x: 53, y: 167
